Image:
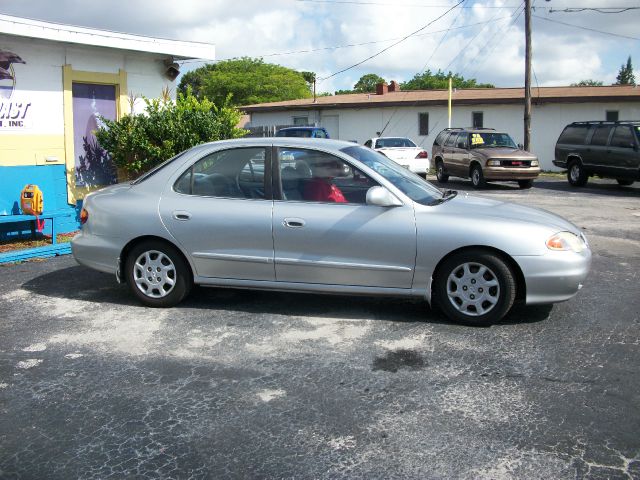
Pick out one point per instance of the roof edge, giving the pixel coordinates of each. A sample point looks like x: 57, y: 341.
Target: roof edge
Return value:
x: 57, y: 32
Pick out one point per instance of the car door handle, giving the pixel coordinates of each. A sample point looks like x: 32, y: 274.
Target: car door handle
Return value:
x: 181, y: 215
x: 294, y: 222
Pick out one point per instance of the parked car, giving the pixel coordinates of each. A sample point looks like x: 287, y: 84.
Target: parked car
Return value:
x: 483, y: 155
x: 238, y: 213
x: 305, y: 132
x: 605, y: 149
x: 402, y: 151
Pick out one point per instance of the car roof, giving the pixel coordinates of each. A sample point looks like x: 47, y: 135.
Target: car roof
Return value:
x: 317, y: 143
x: 300, y: 128
x: 473, y: 130
x: 607, y: 122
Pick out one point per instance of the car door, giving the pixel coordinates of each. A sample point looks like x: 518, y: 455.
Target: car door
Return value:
x: 460, y: 154
x: 448, y: 153
x: 220, y: 212
x: 622, y: 154
x: 339, y: 239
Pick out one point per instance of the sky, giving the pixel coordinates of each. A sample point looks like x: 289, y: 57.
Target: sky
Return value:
x: 482, y: 39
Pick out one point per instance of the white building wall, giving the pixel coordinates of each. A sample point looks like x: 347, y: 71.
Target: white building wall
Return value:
x: 547, y: 121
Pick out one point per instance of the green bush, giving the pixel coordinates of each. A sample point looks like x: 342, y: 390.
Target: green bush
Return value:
x: 138, y: 143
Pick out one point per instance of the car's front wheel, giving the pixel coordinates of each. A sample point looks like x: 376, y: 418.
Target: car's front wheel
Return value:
x: 440, y: 174
x: 577, y: 175
x: 477, y: 177
x: 474, y: 287
x: 157, y: 274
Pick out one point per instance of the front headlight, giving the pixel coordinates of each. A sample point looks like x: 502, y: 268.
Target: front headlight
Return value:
x: 535, y: 163
x: 493, y: 163
x: 566, y: 241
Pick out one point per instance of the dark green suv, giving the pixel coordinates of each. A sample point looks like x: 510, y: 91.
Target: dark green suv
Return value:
x: 605, y: 149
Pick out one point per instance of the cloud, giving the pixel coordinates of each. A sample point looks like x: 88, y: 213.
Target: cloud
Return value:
x: 483, y: 42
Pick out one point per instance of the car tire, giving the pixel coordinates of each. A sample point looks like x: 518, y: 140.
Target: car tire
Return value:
x: 440, y: 175
x: 474, y: 287
x: 623, y: 182
x: 524, y: 184
x: 157, y: 274
x: 477, y: 177
x: 576, y: 174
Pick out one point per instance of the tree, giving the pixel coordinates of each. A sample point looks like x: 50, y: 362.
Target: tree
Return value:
x: 588, y: 83
x: 138, y: 143
x: 440, y: 80
x: 625, y: 75
x: 367, y: 83
x: 246, y: 81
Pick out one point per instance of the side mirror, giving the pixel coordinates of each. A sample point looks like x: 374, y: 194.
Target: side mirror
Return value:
x: 381, y: 197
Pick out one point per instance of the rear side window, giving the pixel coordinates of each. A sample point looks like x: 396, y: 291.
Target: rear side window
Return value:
x: 233, y: 173
x: 451, y: 140
x: 575, y: 134
x: 440, y: 138
x: 601, y: 135
x: 623, y: 137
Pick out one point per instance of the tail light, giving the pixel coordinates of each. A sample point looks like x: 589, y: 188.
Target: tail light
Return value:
x: 84, y: 216
x: 422, y: 154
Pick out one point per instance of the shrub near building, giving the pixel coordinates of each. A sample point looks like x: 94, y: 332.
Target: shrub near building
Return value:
x: 139, y: 142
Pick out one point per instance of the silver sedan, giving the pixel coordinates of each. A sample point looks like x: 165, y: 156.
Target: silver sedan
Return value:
x: 325, y: 216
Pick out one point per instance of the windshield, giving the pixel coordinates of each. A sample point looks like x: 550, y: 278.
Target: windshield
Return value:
x: 394, y: 143
x: 492, y: 139
x: 413, y: 186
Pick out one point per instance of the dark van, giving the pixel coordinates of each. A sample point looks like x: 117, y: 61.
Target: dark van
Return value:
x: 306, y: 132
x: 605, y: 149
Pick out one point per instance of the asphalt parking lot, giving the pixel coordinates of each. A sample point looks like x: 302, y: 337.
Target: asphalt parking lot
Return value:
x: 240, y: 384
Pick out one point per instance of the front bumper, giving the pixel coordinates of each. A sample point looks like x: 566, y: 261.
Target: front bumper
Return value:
x: 560, y: 163
x: 97, y: 252
x: 555, y: 276
x: 511, y: 173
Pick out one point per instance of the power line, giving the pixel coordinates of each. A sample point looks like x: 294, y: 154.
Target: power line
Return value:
x: 597, y: 10
x: 392, y: 45
x: 350, y: 45
x: 586, y: 28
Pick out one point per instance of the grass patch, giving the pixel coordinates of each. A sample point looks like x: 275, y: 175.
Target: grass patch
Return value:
x: 39, y: 241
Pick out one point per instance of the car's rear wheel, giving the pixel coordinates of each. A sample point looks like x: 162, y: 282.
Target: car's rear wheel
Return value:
x: 440, y: 174
x: 576, y: 174
x: 157, y: 274
x: 475, y: 287
x: 477, y: 177
x: 623, y: 182
x: 525, y: 184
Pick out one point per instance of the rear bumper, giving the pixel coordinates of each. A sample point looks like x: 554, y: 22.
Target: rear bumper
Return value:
x: 97, y: 252
x: 555, y: 276
x: 560, y: 163
x: 515, y: 173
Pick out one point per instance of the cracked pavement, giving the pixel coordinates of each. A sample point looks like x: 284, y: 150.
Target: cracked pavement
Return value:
x: 242, y: 384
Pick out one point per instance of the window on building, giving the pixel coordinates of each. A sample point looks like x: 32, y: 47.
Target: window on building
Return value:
x: 477, y: 119
x: 423, y: 124
x: 301, y: 121
x: 612, y: 115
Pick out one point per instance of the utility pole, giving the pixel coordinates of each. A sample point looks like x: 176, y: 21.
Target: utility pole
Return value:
x: 527, y: 75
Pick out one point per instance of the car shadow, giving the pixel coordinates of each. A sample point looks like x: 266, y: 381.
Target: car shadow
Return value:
x: 598, y: 187
x: 81, y: 283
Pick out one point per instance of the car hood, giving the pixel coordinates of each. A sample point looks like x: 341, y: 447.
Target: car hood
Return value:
x: 464, y: 205
x: 504, y: 152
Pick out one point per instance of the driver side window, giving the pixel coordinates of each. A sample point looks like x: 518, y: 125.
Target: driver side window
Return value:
x: 314, y: 176
x: 234, y: 173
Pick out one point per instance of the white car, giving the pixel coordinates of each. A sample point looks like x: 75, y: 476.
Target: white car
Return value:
x: 402, y: 151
